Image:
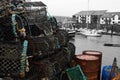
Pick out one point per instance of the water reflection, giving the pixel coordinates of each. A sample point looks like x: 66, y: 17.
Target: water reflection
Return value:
x: 97, y: 43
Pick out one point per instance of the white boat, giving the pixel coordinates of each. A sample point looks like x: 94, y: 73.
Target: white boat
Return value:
x: 71, y: 33
x: 91, y: 33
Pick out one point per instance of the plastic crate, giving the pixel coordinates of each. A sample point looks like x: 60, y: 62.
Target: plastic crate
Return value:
x: 75, y: 73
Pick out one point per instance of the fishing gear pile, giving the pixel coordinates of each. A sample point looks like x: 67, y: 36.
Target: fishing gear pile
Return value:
x: 32, y: 47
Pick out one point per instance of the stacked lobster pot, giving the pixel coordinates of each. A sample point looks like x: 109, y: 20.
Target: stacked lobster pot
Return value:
x: 31, y: 51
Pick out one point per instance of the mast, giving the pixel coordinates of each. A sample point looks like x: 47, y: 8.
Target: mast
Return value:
x: 88, y: 15
x: 88, y: 5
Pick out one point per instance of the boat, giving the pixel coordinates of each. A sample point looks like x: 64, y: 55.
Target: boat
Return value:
x: 71, y: 33
x: 91, y: 33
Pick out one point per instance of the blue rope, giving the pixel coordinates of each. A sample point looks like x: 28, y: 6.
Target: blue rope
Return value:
x: 14, y: 25
x: 23, y: 58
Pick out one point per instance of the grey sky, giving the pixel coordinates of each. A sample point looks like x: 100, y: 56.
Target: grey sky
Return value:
x: 70, y: 7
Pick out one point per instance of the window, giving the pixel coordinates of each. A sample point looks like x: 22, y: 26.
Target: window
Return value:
x: 118, y: 17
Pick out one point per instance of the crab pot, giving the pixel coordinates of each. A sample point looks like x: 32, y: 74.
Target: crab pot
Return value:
x: 98, y: 54
x: 10, y: 59
x: 89, y: 65
x: 62, y: 37
x: 42, y: 46
x: 51, y: 66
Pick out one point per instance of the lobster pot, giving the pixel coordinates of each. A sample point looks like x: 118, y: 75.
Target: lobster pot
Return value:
x: 55, y: 63
x: 43, y: 45
x: 52, y: 65
x: 89, y: 65
x: 98, y: 54
x: 62, y: 36
x: 40, y: 29
x: 35, y: 72
x: 46, y: 68
x: 62, y: 57
x: 2, y: 8
x: 53, y: 42
x: 71, y: 49
x: 6, y: 32
x: 40, y: 45
x: 10, y: 55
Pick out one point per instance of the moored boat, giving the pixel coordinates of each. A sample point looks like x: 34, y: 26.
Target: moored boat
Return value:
x: 91, y: 33
x: 71, y: 33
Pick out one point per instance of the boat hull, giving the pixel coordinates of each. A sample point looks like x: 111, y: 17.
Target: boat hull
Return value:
x: 92, y: 35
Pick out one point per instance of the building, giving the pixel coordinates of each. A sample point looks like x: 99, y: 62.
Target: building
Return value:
x: 89, y: 16
x: 97, y: 18
x: 110, y: 18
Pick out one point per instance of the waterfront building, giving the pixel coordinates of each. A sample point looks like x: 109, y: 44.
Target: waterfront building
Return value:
x: 97, y: 16
x: 110, y: 18
x: 91, y: 17
x: 98, y: 19
x: 88, y: 15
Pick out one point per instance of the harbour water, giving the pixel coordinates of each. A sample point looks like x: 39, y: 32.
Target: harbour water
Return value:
x: 83, y: 43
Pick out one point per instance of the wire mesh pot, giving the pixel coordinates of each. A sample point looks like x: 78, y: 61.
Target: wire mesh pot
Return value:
x: 10, y: 56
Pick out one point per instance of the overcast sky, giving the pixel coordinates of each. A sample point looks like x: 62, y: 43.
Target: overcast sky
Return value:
x: 70, y: 7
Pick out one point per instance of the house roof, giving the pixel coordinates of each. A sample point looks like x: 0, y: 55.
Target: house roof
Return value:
x: 37, y: 4
x: 107, y: 15
x: 114, y: 13
x: 99, y: 12
x: 83, y: 13
x: 110, y: 14
x: 91, y: 12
